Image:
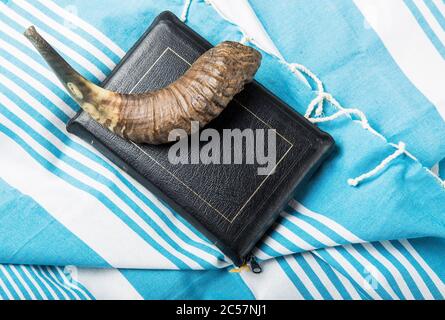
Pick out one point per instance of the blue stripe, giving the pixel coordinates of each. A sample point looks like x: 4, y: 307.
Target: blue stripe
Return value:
x: 51, y: 272
x: 40, y: 283
x: 307, y: 237
x: 67, y: 287
x: 327, y: 258
x: 86, y: 73
x: 23, y: 277
x: 388, y: 275
x: 436, y: 13
x: 45, y: 82
x: 364, y: 272
x: 66, y: 41
x: 79, y: 31
x: 334, y: 278
x: 285, y: 242
x: 429, y: 283
x: 91, y: 173
x: 3, y: 295
x: 47, y: 276
x: 426, y: 28
x: 313, y: 277
x: 78, y: 287
x: 17, y: 282
x: 54, y: 109
x: 332, y: 234
x: 8, y: 285
x: 28, y: 282
x: 268, y: 250
x: 94, y: 157
x: 98, y: 195
x: 32, y: 54
x: 403, y: 270
x: 293, y: 277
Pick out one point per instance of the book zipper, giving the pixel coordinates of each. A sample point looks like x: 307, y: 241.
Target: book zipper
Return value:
x: 254, y: 265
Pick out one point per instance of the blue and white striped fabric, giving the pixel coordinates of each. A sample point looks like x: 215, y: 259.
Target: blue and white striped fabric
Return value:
x: 63, y: 204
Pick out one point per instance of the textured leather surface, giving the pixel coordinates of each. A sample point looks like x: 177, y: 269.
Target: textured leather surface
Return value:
x: 231, y: 204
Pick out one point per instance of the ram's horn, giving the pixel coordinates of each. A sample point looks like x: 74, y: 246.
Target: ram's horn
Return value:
x: 199, y: 95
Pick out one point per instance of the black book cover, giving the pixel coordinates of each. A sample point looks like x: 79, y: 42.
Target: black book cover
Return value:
x: 229, y: 203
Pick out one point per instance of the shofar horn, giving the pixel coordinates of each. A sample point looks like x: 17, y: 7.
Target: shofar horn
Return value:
x: 201, y: 94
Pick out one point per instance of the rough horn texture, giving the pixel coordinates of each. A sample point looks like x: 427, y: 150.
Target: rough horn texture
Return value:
x: 201, y: 94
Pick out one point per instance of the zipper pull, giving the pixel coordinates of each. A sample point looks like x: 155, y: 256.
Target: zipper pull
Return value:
x: 254, y: 265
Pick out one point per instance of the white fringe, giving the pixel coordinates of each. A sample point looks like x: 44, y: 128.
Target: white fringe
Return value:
x: 401, y: 147
x: 185, y: 11
x: 317, y: 104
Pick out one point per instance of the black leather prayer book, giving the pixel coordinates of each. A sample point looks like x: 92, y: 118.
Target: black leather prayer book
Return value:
x: 231, y: 203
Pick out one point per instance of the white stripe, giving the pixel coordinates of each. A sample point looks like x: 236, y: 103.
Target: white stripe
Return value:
x: 67, y: 33
x: 426, y: 293
x: 433, y: 276
x: 291, y: 236
x: 11, y: 282
x: 92, y: 183
x: 107, y: 284
x: 401, y: 283
x: 310, y: 230
x: 350, y: 237
x: 48, y: 94
x: 146, y: 193
x: 272, y: 284
x: 347, y: 284
x: 65, y: 286
x: 71, y: 285
x: 83, y: 25
x: 59, y: 284
x: 324, y: 279
x: 261, y: 255
x: 328, y: 242
x: 30, y: 62
x: 278, y: 247
x: 346, y: 266
x: 45, y: 283
x: 50, y: 76
x: 150, y: 196
x: 98, y: 168
x: 34, y: 282
x: 48, y: 279
x: 89, y: 220
x: 440, y: 5
x: 372, y: 270
x: 331, y: 224
x: 352, y: 272
x: 410, y: 47
x: 56, y: 43
x: 6, y: 290
x: 89, y: 181
x: 241, y: 14
x: 431, y: 20
x: 11, y: 32
x: 305, y: 280
x: 31, y: 101
x: 23, y: 282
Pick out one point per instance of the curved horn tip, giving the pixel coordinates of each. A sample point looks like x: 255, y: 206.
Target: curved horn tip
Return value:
x: 30, y: 32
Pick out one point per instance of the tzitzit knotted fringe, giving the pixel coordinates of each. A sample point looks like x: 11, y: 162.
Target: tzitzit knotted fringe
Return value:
x: 185, y: 10
x: 317, y: 105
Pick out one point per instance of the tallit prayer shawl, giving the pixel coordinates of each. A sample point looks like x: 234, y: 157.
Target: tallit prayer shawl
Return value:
x: 370, y: 225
